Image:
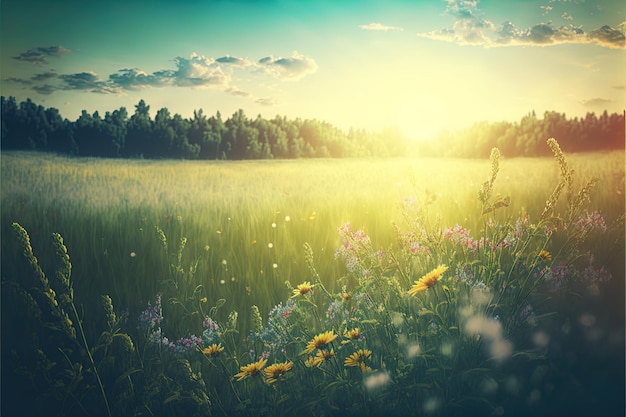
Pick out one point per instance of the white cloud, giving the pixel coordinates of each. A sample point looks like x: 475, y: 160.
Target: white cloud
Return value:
x: 470, y: 28
x: 294, y: 68
x: 199, y: 71
x: 380, y: 27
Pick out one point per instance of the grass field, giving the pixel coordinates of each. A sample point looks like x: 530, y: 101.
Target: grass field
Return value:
x: 246, y: 223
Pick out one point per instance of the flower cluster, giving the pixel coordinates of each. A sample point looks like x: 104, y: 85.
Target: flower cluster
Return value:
x: 275, y: 333
x: 355, y: 245
x: 590, y: 221
x: 151, y: 319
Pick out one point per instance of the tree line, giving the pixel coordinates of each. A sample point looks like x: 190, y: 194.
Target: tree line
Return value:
x: 28, y: 126
x: 32, y: 127
x: 528, y: 136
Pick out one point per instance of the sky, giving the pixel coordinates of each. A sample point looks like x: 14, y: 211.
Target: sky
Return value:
x: 419, y: 66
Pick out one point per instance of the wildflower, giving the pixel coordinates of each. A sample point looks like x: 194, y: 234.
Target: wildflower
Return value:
x: 251, y: 369
x: 321, y: 356
x: 213, y: 350
x: 358, y: 359
x: 203, y: 300
x: 302, y: 289
x: 346, y: 296
x: 275, y: 371
x: 428, y: 280
x: 352, y: 334
x: 545, y: 255
x: 320, y: 341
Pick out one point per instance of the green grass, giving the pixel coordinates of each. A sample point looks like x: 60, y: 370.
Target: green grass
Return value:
x: 108, y: 209
x: 235, y: 232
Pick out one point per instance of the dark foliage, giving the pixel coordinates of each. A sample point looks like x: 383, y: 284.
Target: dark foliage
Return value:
x: 28, y: 126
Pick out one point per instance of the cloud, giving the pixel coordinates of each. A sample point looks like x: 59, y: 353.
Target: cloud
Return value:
x: 470, y: 28
x: 44, y: 76
x: 265, y: 101
x: 133, y: 78
x: 596, y: 102
x: 39, y: 56
x: 231, y: 60
x: 380, y: 27
x: 88, y: 81
x: 294, y: 68
x: 237, y: 92
x: 15, y: 80
x: 610, y: 37
x: 198, y: 70
x: 45, y: 89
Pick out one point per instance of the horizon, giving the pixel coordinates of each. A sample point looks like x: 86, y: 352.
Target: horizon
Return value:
x: 421, y: 67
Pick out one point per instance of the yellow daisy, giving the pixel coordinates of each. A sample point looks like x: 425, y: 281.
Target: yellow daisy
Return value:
x: 251, y: 369
x: 275, y: 371
x: 428, y: 280
x: 302, y: 289
x: 359, y: 359
x: 352, y: 334
x: 213, y: 350
x: 320, y: 341
x: 321, y: 356
x: 544, y: 254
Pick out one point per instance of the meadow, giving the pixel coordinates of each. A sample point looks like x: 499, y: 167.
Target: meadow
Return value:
x: 185, y: 249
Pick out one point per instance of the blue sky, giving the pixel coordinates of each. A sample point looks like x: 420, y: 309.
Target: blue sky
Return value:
x: 421, y: 66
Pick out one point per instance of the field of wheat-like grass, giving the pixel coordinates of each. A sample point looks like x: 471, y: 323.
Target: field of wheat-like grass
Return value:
x: 362, y: 282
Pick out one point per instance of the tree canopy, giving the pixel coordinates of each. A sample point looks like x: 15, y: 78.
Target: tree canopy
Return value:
x: 28, y: 126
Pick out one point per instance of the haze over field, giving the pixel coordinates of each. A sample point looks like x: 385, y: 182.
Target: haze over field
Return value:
x: 421, y: 66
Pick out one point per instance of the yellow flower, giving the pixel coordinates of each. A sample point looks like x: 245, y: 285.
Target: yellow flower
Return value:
x: 359, y: 359
x: 203, y: 300
x: 251, y: 369
x: 275, y: 371
x: 346, y: 296
x: 321, y: 356
x: 302, y: 289
x: 428, y: 280
x: 320, y: 341
x: 544, y: 254
x: 213, y: 350
x: 352, y: 334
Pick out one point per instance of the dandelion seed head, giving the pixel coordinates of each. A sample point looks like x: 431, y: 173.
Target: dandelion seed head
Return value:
x: 541, y: 339
x: 274, y: 225
x: 376, y: 380
x: 480, y: 296
x: 486, y: 327
x: 587, y: 319
x: 501, y: 349
x: 413, y: 350
x: 397, y: 320
x: 432, y: 405
x: 224, y: 262
x: 133, y: 254
x: 270, y: 245
x: 222, y: 281
x: 287, y: 218
x: 274, y: 266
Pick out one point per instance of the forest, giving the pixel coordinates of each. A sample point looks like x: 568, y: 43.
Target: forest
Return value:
x: 28, y: 126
